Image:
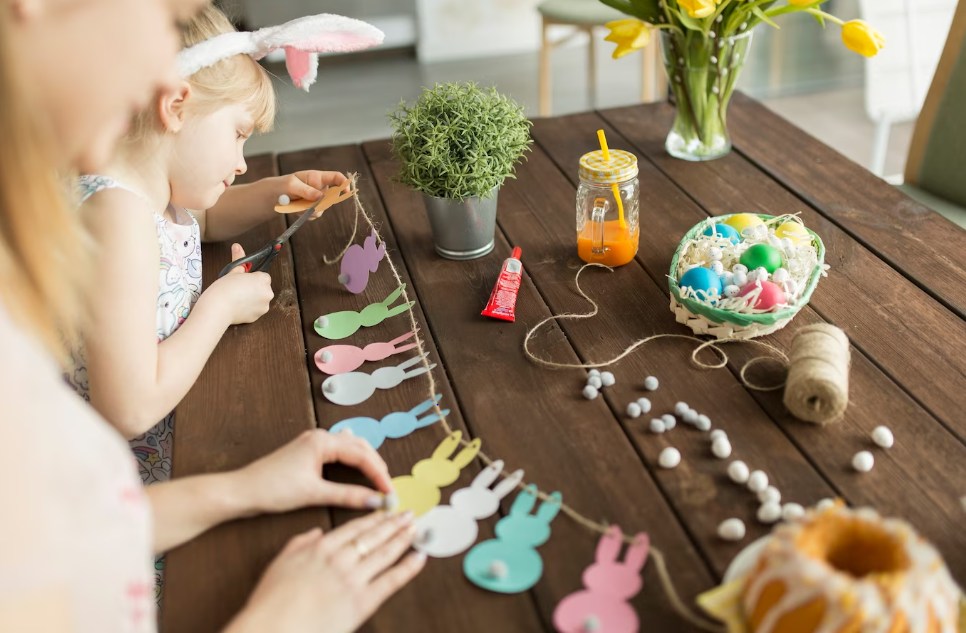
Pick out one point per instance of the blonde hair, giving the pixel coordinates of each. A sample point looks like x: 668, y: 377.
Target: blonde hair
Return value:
x: 236, y: 79
x: 45, y: 258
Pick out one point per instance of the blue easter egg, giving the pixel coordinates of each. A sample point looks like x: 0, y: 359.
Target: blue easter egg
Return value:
x: 701, y: 279
x: 724, y: 230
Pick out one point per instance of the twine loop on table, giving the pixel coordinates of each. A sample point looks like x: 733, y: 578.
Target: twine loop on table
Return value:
x: 656, y: 554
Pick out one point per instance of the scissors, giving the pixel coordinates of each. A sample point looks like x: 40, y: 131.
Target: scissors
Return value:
x: 262, y: 259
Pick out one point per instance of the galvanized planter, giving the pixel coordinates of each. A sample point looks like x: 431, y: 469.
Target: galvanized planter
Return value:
x: 462, y: 230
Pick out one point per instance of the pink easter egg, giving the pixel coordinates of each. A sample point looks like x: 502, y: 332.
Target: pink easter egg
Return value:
x: 771, y: 294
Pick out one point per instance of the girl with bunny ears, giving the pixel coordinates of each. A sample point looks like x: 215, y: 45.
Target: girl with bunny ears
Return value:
x: 169, y: 189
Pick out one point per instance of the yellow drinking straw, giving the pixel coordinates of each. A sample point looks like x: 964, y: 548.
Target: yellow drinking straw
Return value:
x: 613, y: 187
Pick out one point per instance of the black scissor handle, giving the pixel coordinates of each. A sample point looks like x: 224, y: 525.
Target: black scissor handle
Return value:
x: 259, y: 261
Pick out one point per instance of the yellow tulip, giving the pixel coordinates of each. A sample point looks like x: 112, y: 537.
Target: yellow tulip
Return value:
x: 859, y: 36
x: 699, y: 8
x: 801, y: 3
x: 629, y: 34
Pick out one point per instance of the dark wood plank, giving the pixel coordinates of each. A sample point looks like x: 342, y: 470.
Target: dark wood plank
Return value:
x: 920, y: 469
x: 441, y: 588
x: 862, y: 294
x: 536, y: 418
x: 915, y: 240
x: 252, y: 397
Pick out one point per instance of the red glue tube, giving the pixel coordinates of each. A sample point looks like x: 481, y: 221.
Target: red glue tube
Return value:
x: 503, y: 299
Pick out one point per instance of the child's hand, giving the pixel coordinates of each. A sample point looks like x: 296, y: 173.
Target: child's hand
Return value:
x: 291, y: 477
x: 338, y: 579
x: 242, y: 296
x: 308, y: 185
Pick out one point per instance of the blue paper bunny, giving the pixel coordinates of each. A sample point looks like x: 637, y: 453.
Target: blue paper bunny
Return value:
x: 510, y: 562
x: 395, y: 425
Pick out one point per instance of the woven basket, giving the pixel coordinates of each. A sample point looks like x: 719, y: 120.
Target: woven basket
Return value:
x: 724, y: 324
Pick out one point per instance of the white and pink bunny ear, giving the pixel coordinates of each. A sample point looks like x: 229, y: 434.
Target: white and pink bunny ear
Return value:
x: 302, y: 39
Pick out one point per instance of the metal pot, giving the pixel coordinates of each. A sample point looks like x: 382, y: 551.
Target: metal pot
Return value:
x: 462, y: 229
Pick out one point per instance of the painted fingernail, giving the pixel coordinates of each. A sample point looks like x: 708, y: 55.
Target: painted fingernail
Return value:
x: 373, y: 502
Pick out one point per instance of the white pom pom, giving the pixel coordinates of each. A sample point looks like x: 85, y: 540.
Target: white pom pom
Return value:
x: 634, y: 410
x: 670, y: 457
x: 326, y: 357
x: 825, y: 504
x: 702, y: 423
x: 644, y: 404
x: 882, y: 436
x: 657, y: 425
x: 738, y: 472
x: 715, y: 434
x: 740, y: 279
x: 322, y: 322
x: 670, y: 422
x: 739, y: 268
x: 595, y: 381
x: 757, y: 481
x: 780, y: 276
x: 717, y: 268
x: 721, y: 448
x: 792, y: 511
x: 770, y: 494
x: 681, y: 408
x: 863, y: 461
x: 590, y: 392
x: 715, y: 253
x: 328, y: 387
x: 651, y: 383
x: 690, y: 416
x: 594, y: 372
x: 497, y: 570
x: 284, y: 200
x: 732, y: 530
x: 769, y: 512
x: 607, y: 378
x: 591, y: 624
x: 343, y: 279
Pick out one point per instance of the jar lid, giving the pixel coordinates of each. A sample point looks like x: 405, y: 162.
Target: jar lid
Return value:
x: 621, y: 166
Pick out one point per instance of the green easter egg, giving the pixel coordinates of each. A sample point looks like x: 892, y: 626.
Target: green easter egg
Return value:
x: 762, y: 256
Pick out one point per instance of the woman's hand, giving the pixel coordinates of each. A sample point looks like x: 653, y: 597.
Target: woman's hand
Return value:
x: 338, y: 579
x: 291, y: 477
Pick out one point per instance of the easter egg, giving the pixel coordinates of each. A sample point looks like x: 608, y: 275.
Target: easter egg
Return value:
x: 724, y: 230
x: 742, y: 221
x: 795, y: 232
x: 701, y: 280
x: 771, y: 295
x: 762, y: 256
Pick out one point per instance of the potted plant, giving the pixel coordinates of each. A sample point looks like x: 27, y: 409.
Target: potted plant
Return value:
x: 456, y: 145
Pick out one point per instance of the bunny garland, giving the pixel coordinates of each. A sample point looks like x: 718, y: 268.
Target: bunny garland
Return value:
x: 359, y: 261
x: 510, y: 563
x: 609, y: 585
x: 395, y: 425
x: 420, y: 491
x: 448, y: 530
x: 339, y: 325
x: 302, y: 39
x: 338, y: 359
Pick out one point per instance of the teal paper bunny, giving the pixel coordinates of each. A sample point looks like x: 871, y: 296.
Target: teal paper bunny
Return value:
x: 510, y: 562
x: 395, y: 425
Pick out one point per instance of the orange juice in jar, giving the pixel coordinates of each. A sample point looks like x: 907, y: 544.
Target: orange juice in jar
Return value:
x: 607, y: 232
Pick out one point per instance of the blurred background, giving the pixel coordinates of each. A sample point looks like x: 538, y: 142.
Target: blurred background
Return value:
x: 865, y: 109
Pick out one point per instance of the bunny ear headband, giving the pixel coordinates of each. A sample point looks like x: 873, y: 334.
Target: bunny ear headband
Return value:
x: 303, y: 39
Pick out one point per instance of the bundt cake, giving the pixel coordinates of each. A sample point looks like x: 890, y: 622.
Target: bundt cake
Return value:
x: 840, y: 570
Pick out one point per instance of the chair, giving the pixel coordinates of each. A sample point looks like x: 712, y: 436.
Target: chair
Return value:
x: 584, y: 16
x: 897, y: 78
x: 934, y: 169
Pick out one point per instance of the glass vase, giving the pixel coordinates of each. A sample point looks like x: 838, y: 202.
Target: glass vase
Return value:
x: 702, y: 71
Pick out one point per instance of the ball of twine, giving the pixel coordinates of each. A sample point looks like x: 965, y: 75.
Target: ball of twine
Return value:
x: 817, y: 388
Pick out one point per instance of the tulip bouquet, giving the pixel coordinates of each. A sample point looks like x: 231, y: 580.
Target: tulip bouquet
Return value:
x: 705, y: 43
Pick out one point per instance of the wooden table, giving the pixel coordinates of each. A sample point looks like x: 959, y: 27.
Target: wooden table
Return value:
x: 897, y: 286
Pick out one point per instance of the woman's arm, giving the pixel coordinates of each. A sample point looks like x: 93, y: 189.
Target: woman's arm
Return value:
x: 242, y: 207
x: 134, y: 380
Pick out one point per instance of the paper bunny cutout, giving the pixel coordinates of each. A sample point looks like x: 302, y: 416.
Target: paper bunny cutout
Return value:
x: 339, y: 325
x: 603, y: 605
x: 331, y: 197
x: 303, y: 39
x: 420, y: 491
x: 395, y: 425
x: 358, y: 262
x: 338, y: 359
x: 447, y: 530
x: 356, y: 387
x: 510, y: 562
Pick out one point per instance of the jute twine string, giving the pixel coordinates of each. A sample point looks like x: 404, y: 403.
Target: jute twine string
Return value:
x: 818, y: 377
x: 656, y: 554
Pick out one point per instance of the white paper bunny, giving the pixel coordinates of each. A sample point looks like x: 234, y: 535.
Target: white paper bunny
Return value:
x: 420, y: 491
x: 303, y: 39
x: 447, y: 530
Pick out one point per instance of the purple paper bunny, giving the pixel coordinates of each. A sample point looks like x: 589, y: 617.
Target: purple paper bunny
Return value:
x: 358, y: 262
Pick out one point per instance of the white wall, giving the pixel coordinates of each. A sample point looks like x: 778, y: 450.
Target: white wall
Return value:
x: 457, y: 29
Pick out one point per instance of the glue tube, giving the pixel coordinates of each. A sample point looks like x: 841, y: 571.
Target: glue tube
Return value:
x: 503, y: 299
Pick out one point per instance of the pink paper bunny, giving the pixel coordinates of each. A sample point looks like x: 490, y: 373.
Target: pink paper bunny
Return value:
x: 447, y: 530
x: 603, y: 605
x: 338, y: 359
x: 358, y: 262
